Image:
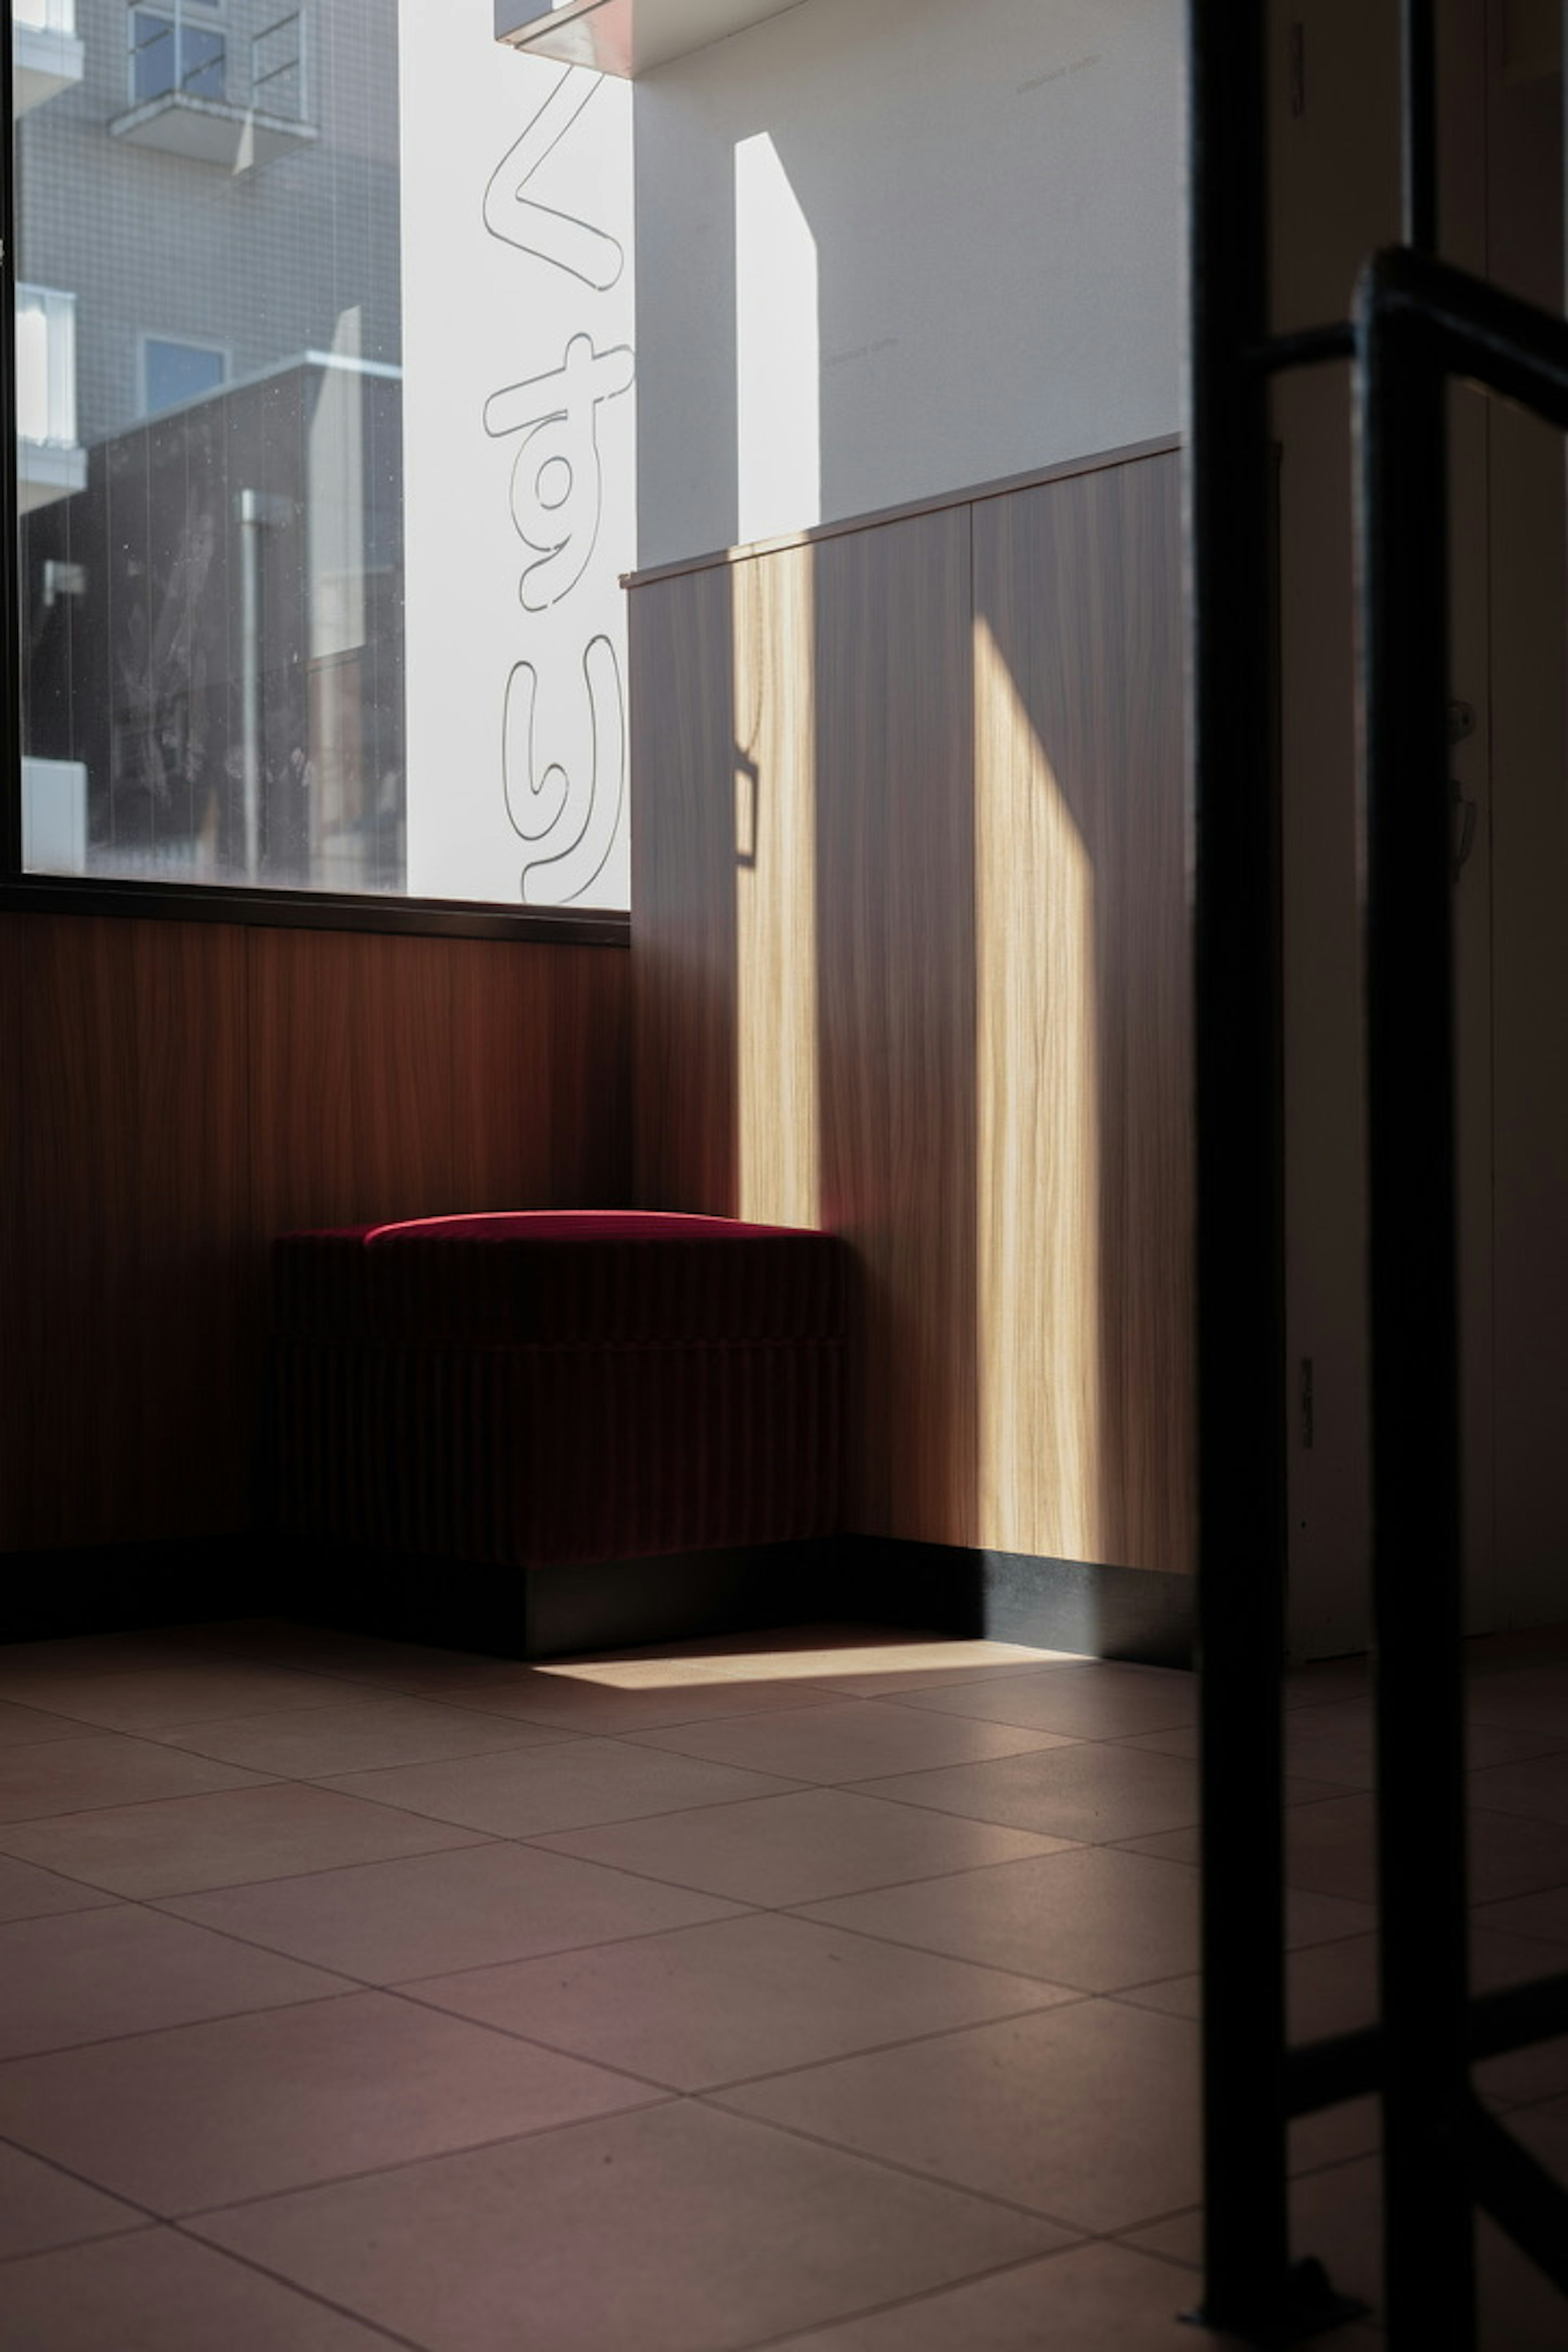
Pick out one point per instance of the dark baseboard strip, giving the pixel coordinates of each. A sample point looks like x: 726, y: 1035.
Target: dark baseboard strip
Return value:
x: 129, y: 1588
x: 1139, y: 1614
x: 549, y: 1612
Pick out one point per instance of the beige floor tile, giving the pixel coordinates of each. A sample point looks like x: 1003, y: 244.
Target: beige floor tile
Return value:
x: 1087, y: 2113
x: 799, y: 1848
x: 1091, y: 1918
x: 103, y: 1768
x: 939, y: 1666
x: 1092, y: 1791
x: 832, y: 1657
x: 1082, y: 1701
x: 1176, y: 2238
x: 849, y: 1739
x: 471, y: 1908
x: 1331, y: 1843
x: 28, y: 1893
x: 199, y: 1691
x: 1537, y: 1786
x: 1520, y: 2077
x: 209, y: 2115
x: 679, y: 2230
x: 1326, y: 1680
x: 1335, y: 1743
x: 23, y: 1726
x: 566, y: 1704
x: 1336, y: 2214
x: 354, y: 1731
x: 565, y: 1784
x: 1090, y: 2299
x: 42, y: 2207
x: 1528, y: 1698
x: 159, y: 2292
x: 123, y: 1970
x: 1545, y: 1915
x: 717, y: 2004
x: 230, y: 1839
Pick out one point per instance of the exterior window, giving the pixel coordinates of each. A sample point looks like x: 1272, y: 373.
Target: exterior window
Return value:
x: 291, y: 621
x: 174, y: 369
x: 171, y: 53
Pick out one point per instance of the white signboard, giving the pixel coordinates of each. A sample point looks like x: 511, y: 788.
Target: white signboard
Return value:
x: 518, y: 465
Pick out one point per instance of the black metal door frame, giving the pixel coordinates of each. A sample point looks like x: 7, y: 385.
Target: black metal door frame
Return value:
x: 1417, y: 324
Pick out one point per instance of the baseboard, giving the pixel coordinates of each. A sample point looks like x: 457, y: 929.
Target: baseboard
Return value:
x: 548, y: 1613
x: 130, y: 1588
x: 1140, y: 1614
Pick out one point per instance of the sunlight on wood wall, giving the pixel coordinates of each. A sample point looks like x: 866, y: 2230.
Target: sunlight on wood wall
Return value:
x: 776, y: 1104
x: 1038, y: 1139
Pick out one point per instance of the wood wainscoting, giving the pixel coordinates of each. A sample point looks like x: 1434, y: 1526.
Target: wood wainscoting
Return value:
x: 172, y: 1095
x: 911, y: 959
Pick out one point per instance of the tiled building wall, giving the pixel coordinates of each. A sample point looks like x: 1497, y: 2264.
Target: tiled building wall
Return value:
x: 266, y: 261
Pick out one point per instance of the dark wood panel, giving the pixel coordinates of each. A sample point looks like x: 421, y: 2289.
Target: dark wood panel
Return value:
x: 1085, y: 1007
x: 350, y: 1079
x: 192, y: 1356
x: 895, y: 965
x: 125, y: 1215
x: 686, y: 768
x: 540, y: 1077
x: 173, y: 1093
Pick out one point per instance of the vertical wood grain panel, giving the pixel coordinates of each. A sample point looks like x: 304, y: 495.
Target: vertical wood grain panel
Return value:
x: 684, y: 764
x: 350, y: 1077
x: 1087, y: 1431
x: 540, y: 1055
x: 199, y: 1305
x: 173, y: 1093
x: 896, y: 989
x: 778, y: 1143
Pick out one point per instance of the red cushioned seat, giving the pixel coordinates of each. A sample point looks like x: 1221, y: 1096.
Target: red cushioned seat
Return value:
x: 544, y: 1387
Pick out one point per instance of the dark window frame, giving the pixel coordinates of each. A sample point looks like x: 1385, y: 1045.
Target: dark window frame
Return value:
x: 25, y: 893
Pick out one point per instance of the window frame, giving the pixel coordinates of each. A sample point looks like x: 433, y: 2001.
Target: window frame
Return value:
x: 162, y: 901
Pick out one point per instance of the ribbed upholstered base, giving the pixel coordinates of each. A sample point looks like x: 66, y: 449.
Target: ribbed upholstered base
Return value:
x: 538, y: 1389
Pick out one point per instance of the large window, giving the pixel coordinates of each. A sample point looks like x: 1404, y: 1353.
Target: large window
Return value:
x: 274, y: 628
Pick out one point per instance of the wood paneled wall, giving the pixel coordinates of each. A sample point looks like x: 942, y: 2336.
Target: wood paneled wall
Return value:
x: 172, y: 1095
x: 910, y: 958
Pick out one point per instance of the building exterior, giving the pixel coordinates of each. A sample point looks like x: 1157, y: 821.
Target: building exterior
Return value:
x: 211, y: 355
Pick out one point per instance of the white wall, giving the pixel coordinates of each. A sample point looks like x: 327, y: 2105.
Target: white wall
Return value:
x: 994, y: 191
x: 518, y: 465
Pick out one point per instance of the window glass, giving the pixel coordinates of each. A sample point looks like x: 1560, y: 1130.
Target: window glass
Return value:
x: 281, y: 621
x: 172, y: 371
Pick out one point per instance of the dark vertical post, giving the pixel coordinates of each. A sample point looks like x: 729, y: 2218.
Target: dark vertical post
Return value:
x: 1241, y: 1352
x: 1418, y: 1596
x: 1418, y: 161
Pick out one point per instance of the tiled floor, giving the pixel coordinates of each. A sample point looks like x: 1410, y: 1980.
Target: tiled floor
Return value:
x: 825, y: 1990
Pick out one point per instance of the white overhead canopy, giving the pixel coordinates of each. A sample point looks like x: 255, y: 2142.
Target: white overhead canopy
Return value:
x: 626, y: 36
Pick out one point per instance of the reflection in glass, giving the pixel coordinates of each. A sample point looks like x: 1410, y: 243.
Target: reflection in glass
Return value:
x: 210, y: 446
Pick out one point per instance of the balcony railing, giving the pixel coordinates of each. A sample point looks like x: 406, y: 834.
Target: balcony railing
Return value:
x: 193, y: 92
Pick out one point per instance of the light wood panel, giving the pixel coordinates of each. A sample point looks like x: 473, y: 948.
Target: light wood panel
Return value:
x: 996, y: 1100
x: 777, y: 1142
x: 173, y: 1093
x: 1084, y: 1022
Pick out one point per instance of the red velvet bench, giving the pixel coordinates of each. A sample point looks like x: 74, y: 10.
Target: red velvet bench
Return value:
x: 548, y: 1430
